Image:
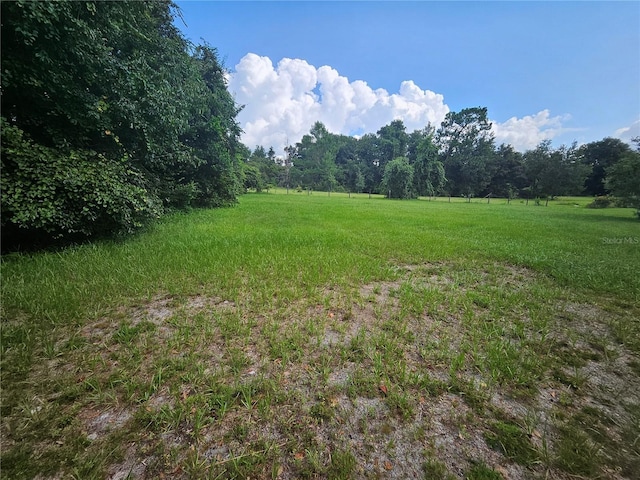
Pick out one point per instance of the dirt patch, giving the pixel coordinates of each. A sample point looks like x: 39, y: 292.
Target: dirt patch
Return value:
x: 202, y: 302
x: 160, y: 399
x: 99, y: 423
x: 380, y: 293
x: 457, y: 438
x: 157, y: 311
x: 131, y: 467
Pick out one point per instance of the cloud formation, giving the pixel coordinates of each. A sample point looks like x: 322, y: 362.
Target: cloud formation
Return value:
x: 527, y: 132
x: 627, y: 133
x: 282, y: 102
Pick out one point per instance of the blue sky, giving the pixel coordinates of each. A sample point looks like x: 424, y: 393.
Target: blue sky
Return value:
x: 560, y: 70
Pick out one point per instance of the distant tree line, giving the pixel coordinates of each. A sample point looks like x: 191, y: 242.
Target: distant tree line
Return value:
x: 460, y: 158
x: 110, y: 118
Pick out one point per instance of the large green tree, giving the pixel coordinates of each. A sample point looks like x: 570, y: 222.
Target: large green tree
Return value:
x: 313, y: 166
x: 508, y: 175
x: 429, y: 175
x: 267, y: 165
x: 599, y: 156
x: 369, y: 158
x: 466, y: 145
x: 393, y: 141
x: 212, y: 136
x: 349, y: 173
x: 623, y: 179
x: 552, y: 172
x: 398, y: 178
x: 109, y: 87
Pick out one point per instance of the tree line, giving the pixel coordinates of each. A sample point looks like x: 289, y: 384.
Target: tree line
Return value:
x: 459, y: 158
x: 110, y: 118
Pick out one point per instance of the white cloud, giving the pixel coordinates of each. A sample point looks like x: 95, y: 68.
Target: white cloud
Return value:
x: 627, y: 133
x: 527, y: 132
x: 283, y: 102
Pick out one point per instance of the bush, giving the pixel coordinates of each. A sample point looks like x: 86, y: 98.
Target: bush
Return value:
x: 600, y: 202
x: 74, y: 193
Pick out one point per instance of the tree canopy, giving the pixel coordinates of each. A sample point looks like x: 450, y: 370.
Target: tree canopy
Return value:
x: 623, y: 178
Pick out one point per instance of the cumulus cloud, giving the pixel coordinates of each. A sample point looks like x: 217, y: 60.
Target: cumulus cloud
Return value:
x: 527, y: 132
x: 282, y: 102
x: 627, y: 133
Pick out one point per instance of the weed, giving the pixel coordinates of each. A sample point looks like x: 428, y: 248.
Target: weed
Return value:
x: 473, y: 396
x: 342, y: 465
x: 575, y: 453
x: 574, y: 378
x: 400, y: 402
x: 480, y: 471
x: 321, y: 411
x: 238, y: 360
x: 436, y: 470
x: 511, y: 441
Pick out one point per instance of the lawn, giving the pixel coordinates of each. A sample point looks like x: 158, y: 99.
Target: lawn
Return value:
x: 316, y: 335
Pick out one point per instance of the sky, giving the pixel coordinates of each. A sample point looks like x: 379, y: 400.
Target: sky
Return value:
x: 564, y: 71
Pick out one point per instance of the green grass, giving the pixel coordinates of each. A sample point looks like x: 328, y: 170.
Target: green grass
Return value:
x: 328, y: 336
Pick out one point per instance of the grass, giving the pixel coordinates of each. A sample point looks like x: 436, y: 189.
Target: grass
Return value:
x: 308, y: 335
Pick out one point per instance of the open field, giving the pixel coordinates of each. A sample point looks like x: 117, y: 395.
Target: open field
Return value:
x: 317, y: 336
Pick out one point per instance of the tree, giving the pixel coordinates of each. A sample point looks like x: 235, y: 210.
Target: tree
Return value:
x: 599, y: 156
x: 508, y: 172
x: 393, y: 141
x: 71, y: 194
x: 554, y: 172
x: 429, y: 175
x: 315, y: 165
x: 252, y: 177
x: 112, y: 87
x: 349, y: 173
x: 466, y: 146
x: 369, y: 160
x: 213, y: 136
x: 398, y: 178
x: 415, y: 138
x: 623, y: 179
x: 267, y: 164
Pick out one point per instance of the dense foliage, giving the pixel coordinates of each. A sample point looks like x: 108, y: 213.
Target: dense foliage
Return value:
x: 109, y: 118
x: 398, y: 178
x: 623, y: 179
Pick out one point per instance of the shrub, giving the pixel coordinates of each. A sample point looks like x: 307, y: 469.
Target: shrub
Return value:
x: 600, y: 202
x: 70, y: 193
